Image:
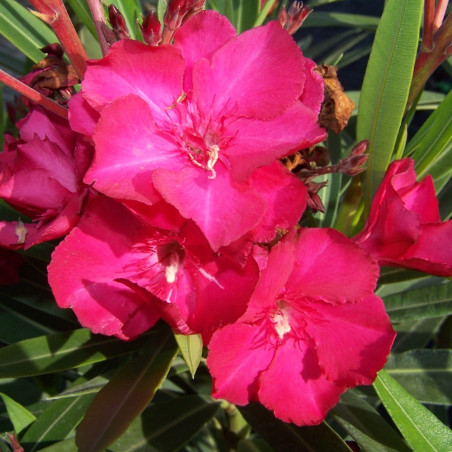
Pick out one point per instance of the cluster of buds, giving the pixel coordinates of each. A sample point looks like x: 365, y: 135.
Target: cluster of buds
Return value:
x: 177, y: 13
x: 293, y: 19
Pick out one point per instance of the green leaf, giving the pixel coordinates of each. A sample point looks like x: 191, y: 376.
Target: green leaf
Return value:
x: 166, y: 426
x: 413, y: 334
x: 19, y: 416
x: 161, y: 9
x: 386, y: 85
x: 366, y: 425
x: 426, y: 374
x: 264, y: 12
x: 61, y: 351
x: 92, y: 386
x: 253, y: 445
x: 420, y: 303
x: 126, y: 395
x: 83, y: 13
x: 24, y: 30
x: 244, y: 14
x: 191, y: 349
x: 330, y: 19
x: 57, y: 422
x: 421, y: 429
x: 431, y: 147
x: 67, y: 445
x: 284, y: 437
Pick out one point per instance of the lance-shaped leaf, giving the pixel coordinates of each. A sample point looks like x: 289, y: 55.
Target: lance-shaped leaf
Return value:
x: 422, y: 430
x: 366, y: 426
x: 61, y: 351
x: 24, y: 30
x: 19, y: 416
x: 56, y: 422
x: 386, y: 85
x: 431, y: 147
x: 126, y: 395
x: 166, y: 426
x: 284, y: 437
x: 191, y: 350
x: 426, y: 374
x: 420, y: 303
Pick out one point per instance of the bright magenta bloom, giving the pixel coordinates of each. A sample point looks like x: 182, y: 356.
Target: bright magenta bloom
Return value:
x: 192, y: 122
x: 120, y: 272
x: 404, y: 228
x: 41, y: 175
x: 312, y: 329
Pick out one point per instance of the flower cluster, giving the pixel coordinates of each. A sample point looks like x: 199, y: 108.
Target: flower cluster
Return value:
x: 167, y: 183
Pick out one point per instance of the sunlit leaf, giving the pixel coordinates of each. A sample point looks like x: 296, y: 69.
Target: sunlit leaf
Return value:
x: 431, y: 147
x: 57, y: 421
x: 421, y: 429
x: 19, y: 416
x: 420, y: 303
x: 56, y: 352
x: 191, y: 349
x: 386, y: 85
x: 126, y: 395
x: 426, y: 374
x: 366, y: 426
x: 24, y: 30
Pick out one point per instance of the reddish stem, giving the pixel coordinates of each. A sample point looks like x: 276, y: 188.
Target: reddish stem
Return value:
x: 95, y: 6
x: 428, y: 60
x: 427, y: 32
x: 441, y: 8
x: 55, y: 15
x: 33, y: 95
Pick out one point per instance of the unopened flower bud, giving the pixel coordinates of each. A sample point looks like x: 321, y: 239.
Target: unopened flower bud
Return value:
x: 151, y: 29
x: 294, y: 18
x: 118, y: 23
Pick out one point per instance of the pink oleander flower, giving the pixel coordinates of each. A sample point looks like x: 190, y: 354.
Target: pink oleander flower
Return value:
x: 312, y: 329
x: 41, y: 175
x: 192, y: 123
x: 120, y: 271
x: 404, y: 227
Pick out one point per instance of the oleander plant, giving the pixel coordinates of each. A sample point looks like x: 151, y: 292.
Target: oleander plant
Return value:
x: 208, y: 242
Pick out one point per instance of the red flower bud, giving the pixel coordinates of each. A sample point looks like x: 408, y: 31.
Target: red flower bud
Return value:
x: 151, y: 29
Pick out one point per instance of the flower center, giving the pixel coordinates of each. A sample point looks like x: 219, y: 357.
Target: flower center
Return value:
x: 198, y: 136
x: 280, y: 318
x: 171, y: 255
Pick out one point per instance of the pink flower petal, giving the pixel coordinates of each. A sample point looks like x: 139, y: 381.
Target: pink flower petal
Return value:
x: 432, y: 251
x: 285, y: 196
x: 224, y: 211
x: 223, y: 293
x: 352, y: 340
x: 82, y: 117
x: 294, y: 388
x: 330, y: 267
x: 250, y: 81
x: 153, y: 73
x: 313, y: 90
x: 200, y: 37
x: 235, y: 360
x: 259, y: 142
x: 47, y: 126
x: 83, y: 269
x: 128, y: 147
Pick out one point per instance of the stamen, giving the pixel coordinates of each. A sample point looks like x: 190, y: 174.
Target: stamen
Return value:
x: 213, y: 158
